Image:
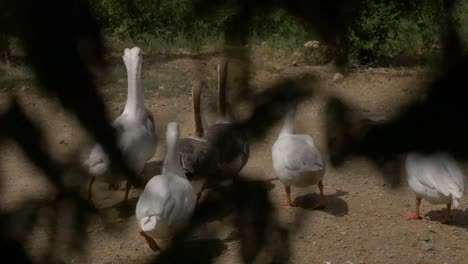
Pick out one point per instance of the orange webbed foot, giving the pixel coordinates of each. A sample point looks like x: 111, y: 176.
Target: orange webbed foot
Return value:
x: 319, y: 206
x: 412, y: 216
x: 150, y: 241
x: 444, y: 220
x: 288, y: 203
x: 114, y: 186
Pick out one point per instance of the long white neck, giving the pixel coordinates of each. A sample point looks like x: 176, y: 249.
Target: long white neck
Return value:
x: 171, y: 162
x: 288, y: 125
x: 135, y: 98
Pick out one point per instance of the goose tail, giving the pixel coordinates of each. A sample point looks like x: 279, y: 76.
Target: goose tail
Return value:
x: 455, y: 202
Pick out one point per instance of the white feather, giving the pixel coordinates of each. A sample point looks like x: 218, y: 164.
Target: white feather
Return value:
x: 436, y: 178
x: 135, y: 127
x: 296, y: 159
x: 168, y: 200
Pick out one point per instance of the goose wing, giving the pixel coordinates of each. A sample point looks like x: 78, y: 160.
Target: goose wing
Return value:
x: 297, y: 153
x: 192, y: 152
x: 450, y: 179
x: 437, y: 173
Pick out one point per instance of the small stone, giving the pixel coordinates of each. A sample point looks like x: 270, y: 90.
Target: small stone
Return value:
x: 343, y: 233
x: 327, y: 262
x: 62, y: 141
x: 312, y: 44
x: 337, y: 76
x: 428, y: 246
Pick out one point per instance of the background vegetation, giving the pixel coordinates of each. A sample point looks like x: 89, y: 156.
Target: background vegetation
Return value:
x: 380, y: 31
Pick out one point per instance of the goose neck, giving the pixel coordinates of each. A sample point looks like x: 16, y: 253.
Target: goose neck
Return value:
x: 201, y: 124
x: 197, y: 111
x: 135, y: 98
x: 288, y: 125
x: 222, y: 77
x: 172, y: 154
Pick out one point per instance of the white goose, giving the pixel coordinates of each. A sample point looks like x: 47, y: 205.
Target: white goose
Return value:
x: 168, y: 201
x: 296, y: 160
x: 436, y: 178
x: 135, y: 130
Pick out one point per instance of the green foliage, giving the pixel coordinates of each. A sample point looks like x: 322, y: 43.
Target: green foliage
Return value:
x: 387, y: 29
x: 382, y: 29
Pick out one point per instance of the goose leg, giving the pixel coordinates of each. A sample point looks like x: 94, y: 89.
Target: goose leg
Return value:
x: 447, y: 217
x: 199, y: 195
x: 127, y: 190
x: 321, y: 203
x: 198, y: 198
x: 415, y: 215
x: 150, y: 241
x: 90, y: 186
x: 288, y: 202
x: 114, y: 186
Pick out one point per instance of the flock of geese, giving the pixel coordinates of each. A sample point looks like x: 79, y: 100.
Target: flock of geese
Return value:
x: 169, y: 199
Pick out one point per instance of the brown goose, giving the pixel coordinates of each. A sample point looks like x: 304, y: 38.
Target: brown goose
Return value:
x: 193, y: 150
x: 234, y: 151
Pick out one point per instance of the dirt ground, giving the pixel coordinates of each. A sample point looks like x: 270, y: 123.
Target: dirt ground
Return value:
x: 363, y: 221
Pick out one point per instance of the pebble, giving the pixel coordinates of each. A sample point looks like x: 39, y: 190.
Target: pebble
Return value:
x: 337, y: 76
x: 428, y: 246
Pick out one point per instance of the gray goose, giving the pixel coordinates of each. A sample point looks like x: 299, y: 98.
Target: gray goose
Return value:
x: 234, y: 151
x: 231, y: 155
